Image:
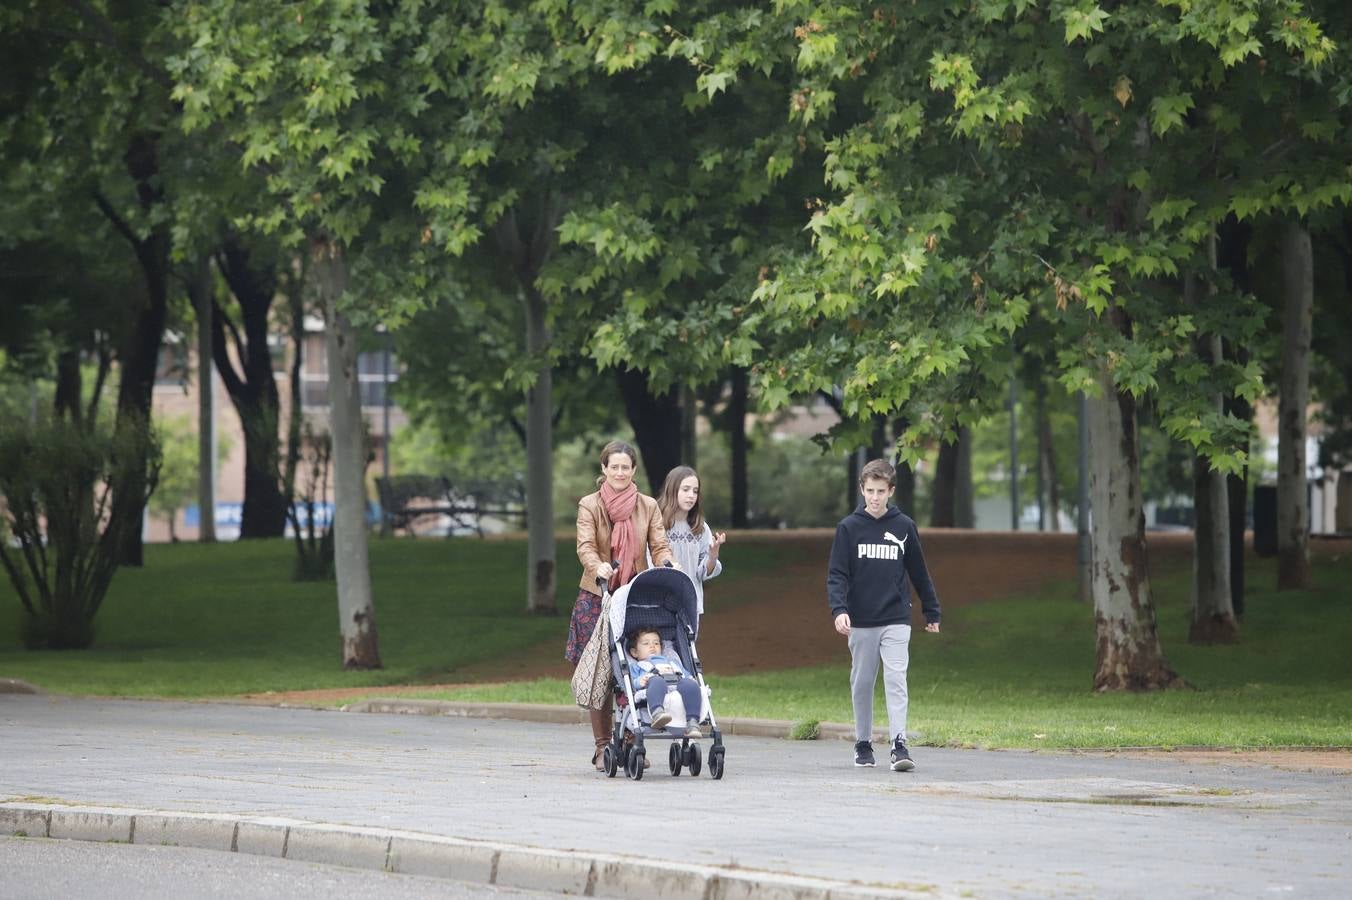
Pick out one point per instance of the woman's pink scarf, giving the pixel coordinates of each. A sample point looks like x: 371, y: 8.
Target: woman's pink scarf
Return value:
x: 620, y: 507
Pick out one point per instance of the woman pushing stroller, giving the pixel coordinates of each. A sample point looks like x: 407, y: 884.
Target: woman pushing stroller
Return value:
x: 614, y: 523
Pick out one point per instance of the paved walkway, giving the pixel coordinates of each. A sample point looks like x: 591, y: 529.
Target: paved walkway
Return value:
x: 965, y: 822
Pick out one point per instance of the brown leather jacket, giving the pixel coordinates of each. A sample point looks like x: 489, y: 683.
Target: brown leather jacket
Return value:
x: 593, y: 536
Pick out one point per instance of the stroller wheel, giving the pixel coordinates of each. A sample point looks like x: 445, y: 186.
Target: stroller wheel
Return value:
x: 611, y: 761
x: 633, y: 765
x: 716, y: 763
x: 692, y: 758
x: 674, y: 759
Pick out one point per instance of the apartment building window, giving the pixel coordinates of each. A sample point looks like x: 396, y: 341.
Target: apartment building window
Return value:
x: 371, y: 376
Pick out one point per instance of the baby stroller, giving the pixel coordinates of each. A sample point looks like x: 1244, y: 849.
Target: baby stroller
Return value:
x: 663, y: 600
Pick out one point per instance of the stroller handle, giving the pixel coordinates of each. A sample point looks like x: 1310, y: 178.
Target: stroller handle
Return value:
x: 601, y: 582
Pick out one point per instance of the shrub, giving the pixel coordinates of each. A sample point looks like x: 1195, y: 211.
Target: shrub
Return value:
x: 310, y: 526
x: 58, y: 539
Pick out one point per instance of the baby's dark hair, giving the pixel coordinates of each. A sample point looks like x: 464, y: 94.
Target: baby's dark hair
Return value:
x: 640, y: 632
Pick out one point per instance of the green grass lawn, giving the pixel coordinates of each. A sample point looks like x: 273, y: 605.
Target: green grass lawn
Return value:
x: 1017, y: 673
x: 204, y: 621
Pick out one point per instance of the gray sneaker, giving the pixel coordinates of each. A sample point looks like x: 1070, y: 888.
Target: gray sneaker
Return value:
x: 661, y: 717
x: 901, y: 757
x: 863, y: 754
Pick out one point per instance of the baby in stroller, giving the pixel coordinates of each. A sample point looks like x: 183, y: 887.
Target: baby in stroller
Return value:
x: 653, y: 625
x: 654, y: 673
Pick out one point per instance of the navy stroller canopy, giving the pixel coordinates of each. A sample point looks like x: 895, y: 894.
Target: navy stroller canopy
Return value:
x: 662, y: 599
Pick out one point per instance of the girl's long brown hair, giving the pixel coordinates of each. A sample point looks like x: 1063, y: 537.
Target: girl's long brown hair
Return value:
x: 667, y: 501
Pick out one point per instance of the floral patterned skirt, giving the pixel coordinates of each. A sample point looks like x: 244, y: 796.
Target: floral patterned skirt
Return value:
x: 586, y: 612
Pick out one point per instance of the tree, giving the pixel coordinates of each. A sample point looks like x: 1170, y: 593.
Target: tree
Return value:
x: 987, y: 161
x: 88, y: 112
x: 1293, y: 506
x: 379, y: 132
x: 1213, y: 614
x: 252, y: 275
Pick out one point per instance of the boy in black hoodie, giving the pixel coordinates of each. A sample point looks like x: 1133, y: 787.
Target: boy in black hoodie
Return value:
x: 875, y: 559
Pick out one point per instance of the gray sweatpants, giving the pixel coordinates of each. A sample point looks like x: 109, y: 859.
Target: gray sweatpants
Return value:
x: 891, y: 644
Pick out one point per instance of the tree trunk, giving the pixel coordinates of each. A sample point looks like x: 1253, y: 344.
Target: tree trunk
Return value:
x: 526, y: 241
x: 852, y: 468
x: 139, y: 358
x: 356, y: 609
x: 540, y: 597
x: 1293, y: 505
x: 1049, y: 470
x: 1213, y: 617
x: 1238, y: 488
x: 139, y: 362
x: 1232, y: 255
x: 656, y: 420
x: 1040, y: 466
x: 1084, y: 556
x: 252, y: 389
x: 1128, y: 653
x: 905, y: 474
x: 689, y: 416
x: 295, y: 299
x: 1015, y: 510
x: 964, y: 491
x: 737, y: 404
x: 69, y: 387
x: 204, y: 303
x: 943, y: 512
x: 905, y: 490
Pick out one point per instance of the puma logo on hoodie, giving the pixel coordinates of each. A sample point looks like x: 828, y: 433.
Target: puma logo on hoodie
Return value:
x: 884, y: 551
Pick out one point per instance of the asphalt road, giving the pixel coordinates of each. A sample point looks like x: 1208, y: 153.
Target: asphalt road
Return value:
x: 975, y: 822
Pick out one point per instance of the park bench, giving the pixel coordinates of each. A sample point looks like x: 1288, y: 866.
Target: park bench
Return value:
x: 408, y: 499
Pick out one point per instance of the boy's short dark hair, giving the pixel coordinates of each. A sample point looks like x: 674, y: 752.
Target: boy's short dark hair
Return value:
x: 640, y: 632
x: 880, y: 469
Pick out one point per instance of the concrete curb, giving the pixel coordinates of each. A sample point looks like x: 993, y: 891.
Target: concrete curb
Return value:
x: 571, y: 715
x: 414, y: 853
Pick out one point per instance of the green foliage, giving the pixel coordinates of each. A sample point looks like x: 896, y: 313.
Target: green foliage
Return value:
x: 997, y: 162
x: 805, y: 730
x: 58, y: 543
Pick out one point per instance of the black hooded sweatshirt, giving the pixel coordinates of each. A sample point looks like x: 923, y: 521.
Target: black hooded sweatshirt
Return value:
x: 874, y: 562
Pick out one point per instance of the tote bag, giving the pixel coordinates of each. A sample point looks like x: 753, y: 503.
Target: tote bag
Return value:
x: 591, y: 678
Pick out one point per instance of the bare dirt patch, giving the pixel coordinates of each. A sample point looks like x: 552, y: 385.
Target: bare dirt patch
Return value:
x: 787, y: 612
x: 1332, y: 761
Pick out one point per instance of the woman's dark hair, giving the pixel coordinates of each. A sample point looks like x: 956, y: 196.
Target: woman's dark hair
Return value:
x: 667, y: 500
